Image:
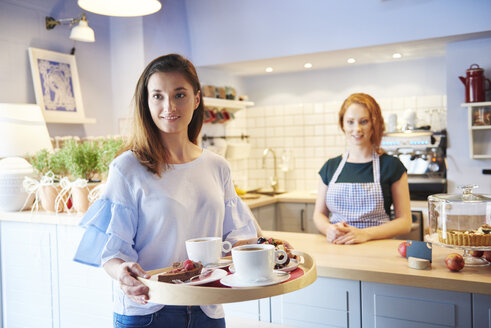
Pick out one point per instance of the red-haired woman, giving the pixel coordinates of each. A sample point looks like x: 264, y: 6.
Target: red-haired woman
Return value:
x: 357, y: 189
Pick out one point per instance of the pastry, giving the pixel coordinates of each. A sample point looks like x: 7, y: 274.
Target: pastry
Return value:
x: 181, y: 271
x: 278, y: 244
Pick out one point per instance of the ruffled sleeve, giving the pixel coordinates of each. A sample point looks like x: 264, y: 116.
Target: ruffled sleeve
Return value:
x: 111, y: 222
x: 239, y: 221
x: 109, y: 231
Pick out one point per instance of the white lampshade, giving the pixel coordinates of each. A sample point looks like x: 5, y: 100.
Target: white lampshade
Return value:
x: 82, y: 32
x: 22, y: 130
x: 122, y: 8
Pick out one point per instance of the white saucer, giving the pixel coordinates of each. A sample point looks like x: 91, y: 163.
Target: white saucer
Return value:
x: 290, y: 267
x: 232, y: 281
x: 217, y: 274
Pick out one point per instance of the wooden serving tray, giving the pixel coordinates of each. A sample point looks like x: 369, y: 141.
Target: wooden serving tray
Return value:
x: 171, y: 294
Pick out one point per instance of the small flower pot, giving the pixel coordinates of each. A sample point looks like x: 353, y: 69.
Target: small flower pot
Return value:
x: 80, y: 199
x: 47, y: 197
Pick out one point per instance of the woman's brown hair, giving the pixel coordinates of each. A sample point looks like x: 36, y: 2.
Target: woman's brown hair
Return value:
x: 145, y: 141
x: 378, y: 125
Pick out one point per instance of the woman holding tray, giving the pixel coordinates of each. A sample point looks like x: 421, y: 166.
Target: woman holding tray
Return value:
x: 357, y: 189
x: 162, y: 190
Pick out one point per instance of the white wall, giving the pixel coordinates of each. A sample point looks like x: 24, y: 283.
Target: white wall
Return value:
x: 22, y: 25
x: 461, y: 169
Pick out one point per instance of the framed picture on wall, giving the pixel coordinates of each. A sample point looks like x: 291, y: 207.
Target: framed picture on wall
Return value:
x: 57, y: 87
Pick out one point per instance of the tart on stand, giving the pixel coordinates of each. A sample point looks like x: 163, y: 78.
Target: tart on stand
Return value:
x: 461, y: 221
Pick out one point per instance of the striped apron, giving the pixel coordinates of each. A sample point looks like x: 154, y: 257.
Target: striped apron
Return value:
x: 358, y: 204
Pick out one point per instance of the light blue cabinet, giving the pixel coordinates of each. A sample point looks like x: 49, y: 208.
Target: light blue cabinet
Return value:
x: 401, y: 306
x: 257, y: 310
x: 326, y: 303
x: 481, y: 310
x: 266, y: 216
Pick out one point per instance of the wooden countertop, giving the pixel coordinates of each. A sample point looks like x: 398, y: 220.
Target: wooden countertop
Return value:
x: 261, y: 200
x: 308, y: 197
x: 379, y: 261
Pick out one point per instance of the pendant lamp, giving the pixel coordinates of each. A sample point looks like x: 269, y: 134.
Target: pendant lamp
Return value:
x: 121, y: 8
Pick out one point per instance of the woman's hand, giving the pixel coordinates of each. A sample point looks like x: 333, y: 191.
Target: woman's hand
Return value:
x: 350, y: 235
x: 334, y: 231
x: 126, y: 276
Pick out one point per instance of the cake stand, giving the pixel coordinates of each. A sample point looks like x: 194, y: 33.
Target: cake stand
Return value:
x: 468, y: 258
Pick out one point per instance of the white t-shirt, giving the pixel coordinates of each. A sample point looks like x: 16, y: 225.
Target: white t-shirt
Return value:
x: 147, y: 219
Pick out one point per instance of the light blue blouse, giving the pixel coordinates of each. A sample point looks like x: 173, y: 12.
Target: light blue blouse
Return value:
x: 147, y: 219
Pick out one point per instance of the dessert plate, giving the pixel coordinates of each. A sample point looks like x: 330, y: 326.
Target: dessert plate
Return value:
x: 217, y: 274
x: 222, y: 263
x: 290, y: 267
x: 232, y: 280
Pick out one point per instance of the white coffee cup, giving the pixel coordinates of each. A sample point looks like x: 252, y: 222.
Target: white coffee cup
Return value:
x: 256, y: 262
x: 207, y: 250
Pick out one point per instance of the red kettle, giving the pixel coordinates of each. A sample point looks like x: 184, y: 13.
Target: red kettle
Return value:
x: 474, y: 82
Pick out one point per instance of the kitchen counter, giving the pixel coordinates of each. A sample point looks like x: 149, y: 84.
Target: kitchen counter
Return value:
x: 375, y: 261
x: 379, y: 261
x: 364, y: 269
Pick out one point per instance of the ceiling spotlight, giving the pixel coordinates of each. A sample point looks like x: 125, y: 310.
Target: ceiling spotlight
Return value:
x: 121, y: 8
x: 307, y: 65
x: 269, y: 69
x: 80, y: 32
x: 351, y: 61
x: 396, y: 55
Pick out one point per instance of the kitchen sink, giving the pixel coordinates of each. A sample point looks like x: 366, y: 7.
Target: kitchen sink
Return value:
x: 267, y: 192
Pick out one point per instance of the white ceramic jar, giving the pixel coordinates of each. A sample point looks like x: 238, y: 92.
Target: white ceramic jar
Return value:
x: 12, y: 194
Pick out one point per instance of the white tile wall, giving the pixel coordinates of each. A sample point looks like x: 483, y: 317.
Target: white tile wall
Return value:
x: 310, y: 134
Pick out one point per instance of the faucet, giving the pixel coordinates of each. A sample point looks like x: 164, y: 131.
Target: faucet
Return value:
x: 274, y: 179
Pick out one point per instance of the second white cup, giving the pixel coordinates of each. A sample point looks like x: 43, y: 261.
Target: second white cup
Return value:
x: 207, y: 250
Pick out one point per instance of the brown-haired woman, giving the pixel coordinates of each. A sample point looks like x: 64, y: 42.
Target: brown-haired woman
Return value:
x: 357, y: 189
x: 162, y: 190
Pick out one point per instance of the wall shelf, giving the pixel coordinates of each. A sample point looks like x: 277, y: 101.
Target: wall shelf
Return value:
x: 479, y: 135
x: 230, y: 105
x: 85, y: 120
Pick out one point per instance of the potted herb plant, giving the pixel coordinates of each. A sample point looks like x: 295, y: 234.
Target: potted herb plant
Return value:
x: 49, y: 166
x: 88, y: 162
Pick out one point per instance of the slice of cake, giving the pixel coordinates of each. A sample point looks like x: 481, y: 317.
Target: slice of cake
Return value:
x: 182, y: 271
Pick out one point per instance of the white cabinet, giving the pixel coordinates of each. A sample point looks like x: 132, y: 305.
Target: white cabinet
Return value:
x: 386, y: 305
x: 295, y: 217
x: 85, y: 292
x: 29, y: 271
x: 41, y: 284
x: 479, y: 125
x: 266, y: 216
x: 327, y: 302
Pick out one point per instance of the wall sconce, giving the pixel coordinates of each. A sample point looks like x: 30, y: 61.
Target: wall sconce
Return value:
x: 80, y: 32
x: 121, y: 8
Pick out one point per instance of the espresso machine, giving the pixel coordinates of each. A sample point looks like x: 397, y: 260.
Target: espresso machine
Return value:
x: 423, y: 153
